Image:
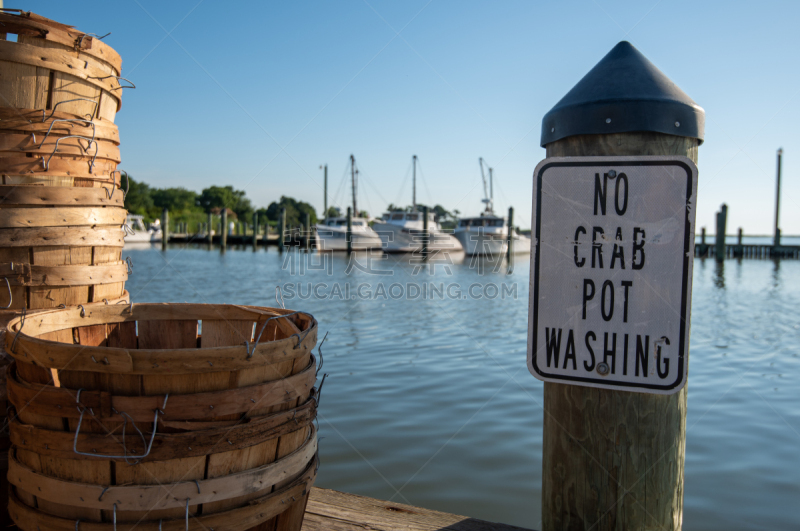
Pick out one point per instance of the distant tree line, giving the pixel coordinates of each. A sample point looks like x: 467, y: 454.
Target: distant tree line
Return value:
x: 192, y: 207
x: 189, y: 206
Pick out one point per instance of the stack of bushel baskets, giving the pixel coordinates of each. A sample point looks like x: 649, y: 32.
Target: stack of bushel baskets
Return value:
x: 152, y: 425
x: 123, y: 416
x: 61, y: 210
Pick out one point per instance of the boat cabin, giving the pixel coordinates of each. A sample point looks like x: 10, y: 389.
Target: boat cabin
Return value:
x: 136, y: 222
x: 482, y: 222
x: 400, y: 217
x: 342, y: 222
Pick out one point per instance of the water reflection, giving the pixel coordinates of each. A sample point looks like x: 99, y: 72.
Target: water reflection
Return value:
x: 776, y: 276
x: 719, y: 274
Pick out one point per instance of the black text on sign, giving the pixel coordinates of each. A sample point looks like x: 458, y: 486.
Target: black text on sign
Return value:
x: 611, y: 271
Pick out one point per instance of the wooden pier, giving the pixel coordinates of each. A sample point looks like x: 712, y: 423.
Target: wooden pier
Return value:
x: 758, y: 251
x: 329, y: 510
x: 293, y: 239
x: 232, y: 239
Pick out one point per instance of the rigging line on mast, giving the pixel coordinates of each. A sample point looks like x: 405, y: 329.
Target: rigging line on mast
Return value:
x: 369, y: 182
x: 341, y: 187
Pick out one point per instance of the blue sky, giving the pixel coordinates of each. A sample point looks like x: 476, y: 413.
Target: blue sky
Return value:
x: 259, y: 94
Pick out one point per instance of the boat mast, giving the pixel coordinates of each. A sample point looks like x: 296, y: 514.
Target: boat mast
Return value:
x: 325, y: 212
x: 487, y: 193
x: 354, y: 183
x: 414, y: 185
x: 491, y: 188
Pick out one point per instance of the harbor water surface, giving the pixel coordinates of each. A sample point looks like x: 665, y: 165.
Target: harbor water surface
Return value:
x: 429, y: 401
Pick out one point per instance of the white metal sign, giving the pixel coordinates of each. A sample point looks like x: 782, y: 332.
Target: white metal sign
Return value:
x: 611, y: 272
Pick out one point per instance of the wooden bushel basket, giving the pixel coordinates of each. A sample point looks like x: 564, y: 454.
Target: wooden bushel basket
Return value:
x: 54, y: 66
x: 60, y: 93
x: 5, y: 442
x: 53, y: 148
x: 60, y: 245
x: 233, y: 447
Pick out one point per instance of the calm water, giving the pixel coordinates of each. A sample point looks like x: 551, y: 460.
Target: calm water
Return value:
x: 429, y: 401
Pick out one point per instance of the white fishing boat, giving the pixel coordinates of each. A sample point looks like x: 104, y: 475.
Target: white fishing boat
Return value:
x: 332, y: 235
x: 487, y: 234
x: 136, y: 231
x: 332, y: 232
x: 404, y: 232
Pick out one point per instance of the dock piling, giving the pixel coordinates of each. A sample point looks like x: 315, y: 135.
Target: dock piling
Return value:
x: 164, y: 229
x: 223, y: 237
x: 208, y: 227
x: 739, y: 244
x: 307, y: 231
x: 349, y: 235
x: 255, y: 231
x: 325, y: 212
x: 596, y: 439
x: 719, y: 244
x: 282, y: 230
x: 510, y: 235
x: 426, y: 235
x: 777, y: 240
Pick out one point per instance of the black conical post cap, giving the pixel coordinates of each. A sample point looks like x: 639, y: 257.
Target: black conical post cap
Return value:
x: 624, y: 93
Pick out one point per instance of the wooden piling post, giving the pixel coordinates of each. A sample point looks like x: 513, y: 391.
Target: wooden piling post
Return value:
x: 510, y: 235
x: 777, y: 238
x: 349, y: 234
x: 307, y: 231
x: 223, y: 237
x: 719, y: 244
x: 614, y: 459
x: 325, y: 204
x: 740, y: 244
x: 426, y: 235
x: 209, y: 227
x: 282, y: 230
x: 255, y: 230
x: 703, y: 247
x: 164, y: 229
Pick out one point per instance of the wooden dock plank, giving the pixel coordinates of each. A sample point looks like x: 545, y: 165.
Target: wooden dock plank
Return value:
x: 329, y: 510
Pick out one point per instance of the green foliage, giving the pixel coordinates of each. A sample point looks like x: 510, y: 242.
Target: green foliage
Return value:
x: 333, y: 212
x: 441, y: 212
x: 295, y: 211
x: 138, y: 201
x: 218, y: 197
x: 178, y: 200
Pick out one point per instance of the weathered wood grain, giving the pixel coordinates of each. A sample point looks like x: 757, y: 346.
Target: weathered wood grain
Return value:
x: 614, y: 460
x: 329, y: 510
